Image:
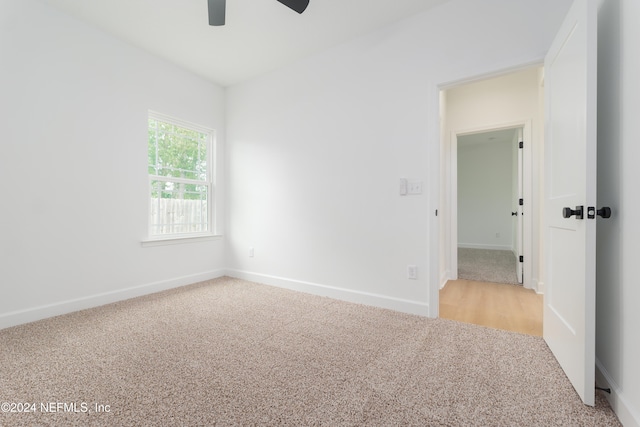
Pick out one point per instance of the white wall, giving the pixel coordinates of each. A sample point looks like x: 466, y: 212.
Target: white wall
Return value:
x: 485, y: 195
x: 510, y: 99
x: 73, y: 106
x: 618, y: 248
x: 315, y: 150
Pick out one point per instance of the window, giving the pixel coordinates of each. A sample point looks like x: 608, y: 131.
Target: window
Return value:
x: 180, y: 178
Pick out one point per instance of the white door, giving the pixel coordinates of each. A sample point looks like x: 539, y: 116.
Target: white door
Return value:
x: 519, y: 210
x: 570, y: 183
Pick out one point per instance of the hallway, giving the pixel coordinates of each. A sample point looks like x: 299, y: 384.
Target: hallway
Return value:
x: 496, y: 305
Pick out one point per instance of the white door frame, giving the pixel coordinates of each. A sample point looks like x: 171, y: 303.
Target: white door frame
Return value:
x: 451, y: 175
x: 518, y: 239
x: 437, y: 164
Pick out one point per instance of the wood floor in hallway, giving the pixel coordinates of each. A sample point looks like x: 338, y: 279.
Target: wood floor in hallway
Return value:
x: 496, y: 305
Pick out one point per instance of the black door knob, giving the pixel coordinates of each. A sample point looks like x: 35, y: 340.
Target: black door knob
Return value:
x: 578, y: 212
x: 604, y: 212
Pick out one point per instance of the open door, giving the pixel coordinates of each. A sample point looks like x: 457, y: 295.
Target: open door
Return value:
x: 519, y: 211
x: 570, y: 197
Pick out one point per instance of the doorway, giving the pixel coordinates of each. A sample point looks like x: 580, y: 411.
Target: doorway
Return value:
x: 474, y: 118
x: 505, y: 103
x: 490, y: 238
x: 570, y: 154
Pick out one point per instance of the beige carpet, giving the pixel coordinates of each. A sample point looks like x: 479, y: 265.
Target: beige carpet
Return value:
x: 230, y: 352
x: 486, y: 265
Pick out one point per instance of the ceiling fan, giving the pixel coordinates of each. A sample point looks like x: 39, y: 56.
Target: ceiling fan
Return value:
x: 217, y: 9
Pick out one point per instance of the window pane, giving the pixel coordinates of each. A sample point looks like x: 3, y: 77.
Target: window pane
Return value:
x: 177, y: 152
x: 178, y: 208
x: 180, y: 190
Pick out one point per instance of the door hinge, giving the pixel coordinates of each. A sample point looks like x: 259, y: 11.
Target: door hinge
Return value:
x: 521, y: 258
x: 521, y: 202
x: 521, y: 144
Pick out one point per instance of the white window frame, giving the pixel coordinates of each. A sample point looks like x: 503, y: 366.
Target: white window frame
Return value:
x: 210, y: 233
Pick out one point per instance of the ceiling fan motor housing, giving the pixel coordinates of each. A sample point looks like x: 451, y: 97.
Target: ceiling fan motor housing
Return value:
x: 217, y: 9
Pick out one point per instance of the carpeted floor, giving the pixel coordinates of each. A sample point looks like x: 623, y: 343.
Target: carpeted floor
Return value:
x: 229, y: 352
x: 485, y: 265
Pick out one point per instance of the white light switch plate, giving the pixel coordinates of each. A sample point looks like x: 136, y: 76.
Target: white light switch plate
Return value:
x: 412, y: 272
x: 403, y: 186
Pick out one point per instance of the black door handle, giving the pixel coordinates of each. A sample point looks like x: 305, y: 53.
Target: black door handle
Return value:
x: 604, y: 212
x: 578, y: 212
x: 514, y: 213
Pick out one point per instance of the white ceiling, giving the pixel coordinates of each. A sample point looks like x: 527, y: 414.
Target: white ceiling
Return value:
x: 259, y: 35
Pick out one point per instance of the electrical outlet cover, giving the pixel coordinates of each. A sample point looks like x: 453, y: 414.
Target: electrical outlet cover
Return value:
x: 415, y: 187
x: 412, y: 272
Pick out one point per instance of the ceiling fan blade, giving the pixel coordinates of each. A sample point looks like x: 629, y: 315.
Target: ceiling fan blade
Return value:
x: 297, y: 5
x: 217, y: 12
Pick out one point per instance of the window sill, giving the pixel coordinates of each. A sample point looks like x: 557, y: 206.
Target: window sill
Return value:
x: 178, y: 240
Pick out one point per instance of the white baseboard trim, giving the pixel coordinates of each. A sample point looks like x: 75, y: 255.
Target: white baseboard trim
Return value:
x: 444, y: 278
x: 482, y: 246
x: 359, y: 297
x: 626, y: 414
x: 44, y: 311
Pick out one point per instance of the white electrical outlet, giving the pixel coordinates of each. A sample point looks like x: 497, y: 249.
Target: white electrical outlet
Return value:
x: 412, y: 272
x: 251, y: 252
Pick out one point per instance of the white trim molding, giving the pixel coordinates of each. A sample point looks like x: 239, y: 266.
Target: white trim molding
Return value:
x: 178, y: 240
x: 444, y: 278
x: 619, y: 403
x: 15, y: 318
x: 375, y: 300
